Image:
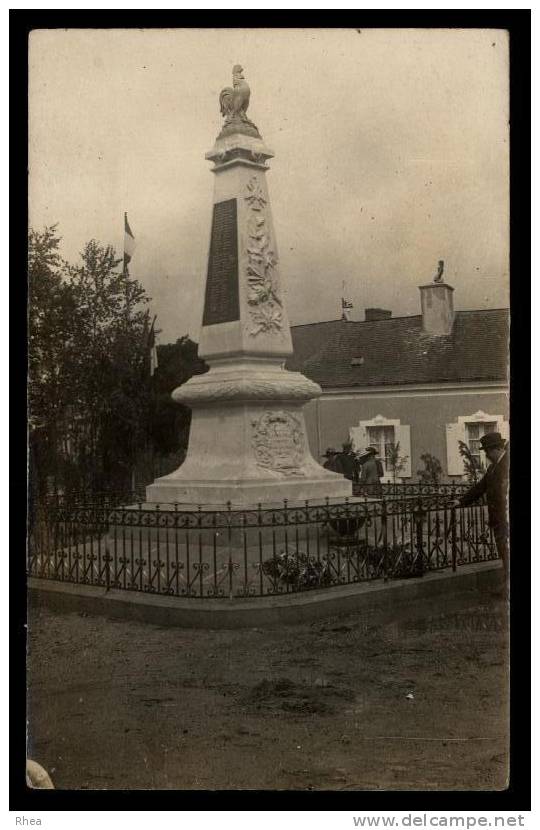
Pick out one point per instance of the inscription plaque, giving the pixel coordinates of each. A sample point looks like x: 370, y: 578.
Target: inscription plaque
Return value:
x: 221, y: 301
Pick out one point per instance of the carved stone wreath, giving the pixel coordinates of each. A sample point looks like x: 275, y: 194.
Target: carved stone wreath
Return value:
x: 262, y: 295
x: 278, y: 443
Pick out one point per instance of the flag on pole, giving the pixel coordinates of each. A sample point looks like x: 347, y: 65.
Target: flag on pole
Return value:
x: 346, y: 305
x: 129, y: 243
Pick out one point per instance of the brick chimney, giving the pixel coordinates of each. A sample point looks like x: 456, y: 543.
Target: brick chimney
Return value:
x: 437, y: 308
x: 373, y: 314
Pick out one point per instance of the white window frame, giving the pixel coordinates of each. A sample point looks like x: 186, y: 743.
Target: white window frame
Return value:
x: 487, y: 426
x: 402, y: 434
x: 457, y: 431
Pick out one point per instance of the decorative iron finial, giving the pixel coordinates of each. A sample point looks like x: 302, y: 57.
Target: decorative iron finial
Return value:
x: 440, y: 269
x: 233, y: 103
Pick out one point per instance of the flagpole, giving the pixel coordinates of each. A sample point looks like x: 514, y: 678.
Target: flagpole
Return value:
x: 129, y: 245
x: 149, y: 347
x: 152, y: 344
x: 125, y: 261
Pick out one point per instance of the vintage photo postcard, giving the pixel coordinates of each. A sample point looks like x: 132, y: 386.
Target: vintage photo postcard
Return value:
x: 268, y: 425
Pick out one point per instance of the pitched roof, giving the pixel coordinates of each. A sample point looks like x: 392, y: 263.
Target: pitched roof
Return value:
x: 397, y: 351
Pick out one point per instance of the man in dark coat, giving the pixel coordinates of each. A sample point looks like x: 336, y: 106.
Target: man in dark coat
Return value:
x: 494, y: 485
x: 370, y: 472
x: 332, y: 462
x: 348, y: 461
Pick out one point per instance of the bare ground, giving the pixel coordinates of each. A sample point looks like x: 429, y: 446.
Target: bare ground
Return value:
x: 347, y: 703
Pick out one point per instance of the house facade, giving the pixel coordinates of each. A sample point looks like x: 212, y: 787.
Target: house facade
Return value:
x: 428, y: 382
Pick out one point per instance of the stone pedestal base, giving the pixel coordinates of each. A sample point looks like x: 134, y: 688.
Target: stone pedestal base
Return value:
x: 248, y: 440
x: 247, y: 451
x: 245, y: 492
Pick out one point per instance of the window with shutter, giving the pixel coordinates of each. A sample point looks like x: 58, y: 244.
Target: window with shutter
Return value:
x: 403, y: 437
x: 474, y: 431
x: 454, y: 434
x: 384, y: 439
x: 385, y: 434
x: 470, y: 429
x: 358, y: 436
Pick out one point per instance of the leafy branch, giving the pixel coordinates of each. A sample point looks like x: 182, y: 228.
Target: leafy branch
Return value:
x: 474, y: 469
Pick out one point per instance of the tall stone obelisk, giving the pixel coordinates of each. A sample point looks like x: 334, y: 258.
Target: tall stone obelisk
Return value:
x: 248, y: 440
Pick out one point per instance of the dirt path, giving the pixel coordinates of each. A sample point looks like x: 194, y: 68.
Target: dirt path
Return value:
x: 325, y: 705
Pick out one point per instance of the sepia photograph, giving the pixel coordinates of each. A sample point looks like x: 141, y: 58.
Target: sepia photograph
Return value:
x: 268, y: 409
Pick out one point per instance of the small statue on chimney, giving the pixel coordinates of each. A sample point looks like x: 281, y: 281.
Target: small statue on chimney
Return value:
x: 440, y: 269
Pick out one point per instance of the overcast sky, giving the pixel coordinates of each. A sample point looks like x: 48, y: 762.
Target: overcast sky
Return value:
x: 391, y: 153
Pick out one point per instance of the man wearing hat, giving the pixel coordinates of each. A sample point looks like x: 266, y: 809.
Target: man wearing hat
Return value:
x: 349, y: 462
x: 371, y: 470
x: 332, y: 462
x: 494, y: 485
x: 335, y: 462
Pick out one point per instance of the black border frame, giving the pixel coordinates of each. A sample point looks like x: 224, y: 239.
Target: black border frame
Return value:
x: 517, y: 796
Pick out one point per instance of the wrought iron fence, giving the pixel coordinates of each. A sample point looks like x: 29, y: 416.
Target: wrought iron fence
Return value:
x: 117, y: 541
x: 408, y: 489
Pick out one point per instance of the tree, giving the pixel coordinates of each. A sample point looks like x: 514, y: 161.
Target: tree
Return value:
x: 89, y: 379
x: 107, y: 368
x: 50, y: 314
x: 474, y: 469
x: 95, y: 411
x: 395, y: 461
x: 178, y: 362
x: 431, y: 474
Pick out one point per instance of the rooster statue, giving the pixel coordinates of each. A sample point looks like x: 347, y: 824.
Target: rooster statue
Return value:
x: 233, y: 103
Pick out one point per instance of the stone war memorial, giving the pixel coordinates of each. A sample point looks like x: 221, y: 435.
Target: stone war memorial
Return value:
x: 248, y: 442
x: 251, y: 512
x: 316, y: 598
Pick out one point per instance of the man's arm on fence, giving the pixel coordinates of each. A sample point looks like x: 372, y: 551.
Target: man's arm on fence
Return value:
x: 472, y: 495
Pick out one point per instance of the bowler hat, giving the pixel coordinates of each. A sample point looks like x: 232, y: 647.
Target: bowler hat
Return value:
x: 372, y: 450
x: 329, y: 451
x: 492, y: 440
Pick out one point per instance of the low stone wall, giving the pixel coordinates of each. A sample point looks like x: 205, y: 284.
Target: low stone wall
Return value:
x: 376, y: 596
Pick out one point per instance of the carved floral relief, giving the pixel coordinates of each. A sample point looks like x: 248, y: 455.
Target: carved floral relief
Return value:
x: 262, y: 296
x: 255, y: 197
